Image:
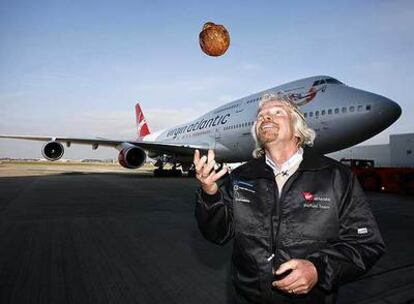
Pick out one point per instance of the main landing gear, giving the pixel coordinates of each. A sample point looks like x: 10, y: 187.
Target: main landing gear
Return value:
x: 161, y: 172
x: 177, y: 169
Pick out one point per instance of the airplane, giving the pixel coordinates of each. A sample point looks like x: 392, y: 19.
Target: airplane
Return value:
x: 342, y: 116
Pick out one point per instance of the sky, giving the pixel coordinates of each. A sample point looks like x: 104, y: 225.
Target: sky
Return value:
x: 77, y: 68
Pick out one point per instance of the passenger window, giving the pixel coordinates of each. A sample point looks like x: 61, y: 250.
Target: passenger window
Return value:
x: 344, y: 110
x: 329, y: 111
x: 305, y: 115
x: 359, y: 108
x: 317, y: 113
x: 310, y: 114
x: 368, y: 107
x: 336, y: 111
x: 351, y: 109
x: 323, y: 112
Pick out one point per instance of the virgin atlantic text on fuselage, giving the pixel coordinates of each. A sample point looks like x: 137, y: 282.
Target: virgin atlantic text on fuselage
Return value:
x: 199, y: 125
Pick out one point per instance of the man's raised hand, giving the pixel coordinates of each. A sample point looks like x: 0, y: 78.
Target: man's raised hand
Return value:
x: 205, y: 172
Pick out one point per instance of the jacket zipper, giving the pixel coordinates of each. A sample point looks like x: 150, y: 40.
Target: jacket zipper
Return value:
x: 279, y: 199
x: 272, y: 245
x: 274, y: 239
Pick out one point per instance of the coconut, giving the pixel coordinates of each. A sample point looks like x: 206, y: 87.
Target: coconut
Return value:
x: 214, y: 39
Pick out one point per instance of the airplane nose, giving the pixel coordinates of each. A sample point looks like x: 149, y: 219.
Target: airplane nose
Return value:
x: 396, y: 109
x: 390, y: 111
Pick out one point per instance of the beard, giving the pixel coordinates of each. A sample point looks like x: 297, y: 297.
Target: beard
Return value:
x: 266, y: 136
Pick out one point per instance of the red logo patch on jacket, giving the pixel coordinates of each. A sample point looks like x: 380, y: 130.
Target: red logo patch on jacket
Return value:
x: 308, y: 196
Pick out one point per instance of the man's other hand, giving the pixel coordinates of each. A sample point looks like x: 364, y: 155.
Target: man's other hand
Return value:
x: 301, y: 280
x: 205, y: 172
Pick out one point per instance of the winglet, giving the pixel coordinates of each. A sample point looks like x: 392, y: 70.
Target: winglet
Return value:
x: 142, y: 125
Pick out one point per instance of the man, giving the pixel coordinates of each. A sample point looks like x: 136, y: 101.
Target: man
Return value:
x: 301, y: 224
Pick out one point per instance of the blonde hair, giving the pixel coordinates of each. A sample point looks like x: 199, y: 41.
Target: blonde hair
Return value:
x: 301, y: 130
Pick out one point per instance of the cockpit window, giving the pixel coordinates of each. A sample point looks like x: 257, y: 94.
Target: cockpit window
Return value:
x: 319, y: 82
x: 326, y: 80
x: 333, y: 81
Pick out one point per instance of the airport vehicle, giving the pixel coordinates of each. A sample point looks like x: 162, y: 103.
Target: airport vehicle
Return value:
x: 342, y: 116
x: 385, y: 179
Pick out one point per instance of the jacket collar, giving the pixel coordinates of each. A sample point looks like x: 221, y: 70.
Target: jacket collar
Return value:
x: 257, y: 168
x: 312, y: 160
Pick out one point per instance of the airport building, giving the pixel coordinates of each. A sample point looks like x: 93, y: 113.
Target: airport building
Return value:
x: 398, y: 153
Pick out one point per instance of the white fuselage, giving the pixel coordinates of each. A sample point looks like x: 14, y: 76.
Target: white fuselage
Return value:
x: 342, y: 116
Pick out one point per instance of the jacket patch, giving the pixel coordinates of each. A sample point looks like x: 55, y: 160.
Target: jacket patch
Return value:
x: 363, y: 230
x: 317, y: 202
x: 308, y: 196
x: 243, y: 186
x: 241, y: 189
x: 239, y: 198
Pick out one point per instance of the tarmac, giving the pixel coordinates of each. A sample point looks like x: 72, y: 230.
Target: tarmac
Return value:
x: 115, y: 237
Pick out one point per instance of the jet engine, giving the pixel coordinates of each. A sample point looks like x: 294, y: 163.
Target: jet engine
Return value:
x: 52, y: 150
x: 132, y: 157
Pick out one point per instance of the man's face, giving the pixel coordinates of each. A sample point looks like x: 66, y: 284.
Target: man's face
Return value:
x: 274, y: 123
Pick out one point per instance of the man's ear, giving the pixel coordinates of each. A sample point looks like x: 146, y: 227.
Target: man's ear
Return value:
x: 298, y: 142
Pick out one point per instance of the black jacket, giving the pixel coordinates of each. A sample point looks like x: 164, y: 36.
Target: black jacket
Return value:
x: 322, y: 215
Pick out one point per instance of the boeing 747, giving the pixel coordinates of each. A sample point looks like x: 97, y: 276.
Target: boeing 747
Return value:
x: 342, y: 116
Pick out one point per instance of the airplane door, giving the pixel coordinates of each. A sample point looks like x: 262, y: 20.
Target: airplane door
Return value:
x: 245, y: 144
x: 217, y: 137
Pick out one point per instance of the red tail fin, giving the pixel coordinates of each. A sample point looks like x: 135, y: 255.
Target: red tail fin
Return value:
x: 142, y: 124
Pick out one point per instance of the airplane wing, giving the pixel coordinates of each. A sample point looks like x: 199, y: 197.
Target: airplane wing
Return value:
x: 157, y: 147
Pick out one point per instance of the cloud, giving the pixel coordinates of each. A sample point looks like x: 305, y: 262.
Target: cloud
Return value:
x: 250, y: 67
x: 109, y: 124
x: 165, y: 118
x: 180, y: 85
x: 116, y: 124
x: 6, y: 97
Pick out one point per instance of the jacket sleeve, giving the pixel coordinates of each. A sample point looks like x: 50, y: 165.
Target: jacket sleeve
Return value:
x: 214, y: 213
x: 358, y: 246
